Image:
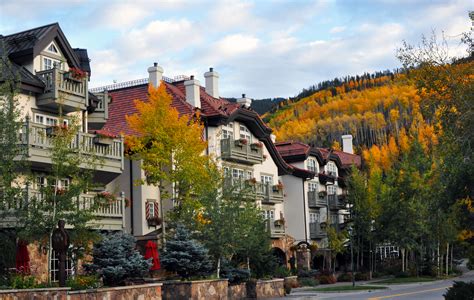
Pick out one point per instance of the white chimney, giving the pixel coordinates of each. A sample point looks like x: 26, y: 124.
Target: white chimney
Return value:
x: 245, y: 101
x: 193, y: 96
x: 347, y: 144
x: 212, y: 83
x: 155, y: 74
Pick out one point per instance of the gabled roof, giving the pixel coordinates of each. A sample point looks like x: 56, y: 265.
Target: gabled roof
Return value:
x: 10, y: 70
x: 24, y: 45
x: 214, y: 111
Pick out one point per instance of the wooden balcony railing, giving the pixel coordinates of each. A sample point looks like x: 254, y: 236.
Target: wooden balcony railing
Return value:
x: 276, y: 228
x: 63, y: 90
x: 267, y: 193
x: 38, y: 144
x: 315, y: 231
x: 315, y: 200
x: 234, y: 150
x: 335, y: 203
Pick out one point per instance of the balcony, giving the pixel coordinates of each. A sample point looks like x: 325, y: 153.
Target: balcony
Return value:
x: 37, y: 140
x: 315, y: 200
x: 335, y: 203
x: 108, y: 217
x: 236, y: 151
x: 97, y: 119
x: 269, y: 193
x: 276, y: 228
x: 62, y: 90
x: 315, y: 231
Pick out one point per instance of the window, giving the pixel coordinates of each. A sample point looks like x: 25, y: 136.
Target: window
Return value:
x: 312, y: 186
x: 333, y: 218
x: 312, y: 165
x: 52, y: 48
x: 228, y: 131
x: 49, y: 120
x: 331, y: 168
x: 226, y: 172
x: 269, y: 214
x: 49, y: 63
x: 237, y: 173
x: 245, y: 133
x: 314, y: 217
x: 54, y: 266
x: 151, y: 212
x: 331, y: 189
x: 249, y: 175
x: 266, y: 179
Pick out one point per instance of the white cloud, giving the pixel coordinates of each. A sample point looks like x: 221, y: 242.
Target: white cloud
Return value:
x: 337, y: 29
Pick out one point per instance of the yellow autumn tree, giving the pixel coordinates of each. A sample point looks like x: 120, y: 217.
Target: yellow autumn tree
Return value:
x: 169, y: 146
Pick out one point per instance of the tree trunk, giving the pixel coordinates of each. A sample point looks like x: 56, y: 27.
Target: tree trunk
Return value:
x: 403, y: 259
x: 452, y: 247
x: 438, y: 263
x: 447, y: 259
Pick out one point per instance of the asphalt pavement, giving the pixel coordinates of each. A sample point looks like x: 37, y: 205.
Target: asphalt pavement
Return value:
x: 433, y: 290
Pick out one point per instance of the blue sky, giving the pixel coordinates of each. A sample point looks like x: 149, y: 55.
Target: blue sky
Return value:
x: 260, y: 48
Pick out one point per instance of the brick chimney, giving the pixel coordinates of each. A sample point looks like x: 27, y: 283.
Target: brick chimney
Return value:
x: 245, y: 101
x: 193, y: 96
x: 212, y: 83
x: 347, y: 144
x: 155, y: 74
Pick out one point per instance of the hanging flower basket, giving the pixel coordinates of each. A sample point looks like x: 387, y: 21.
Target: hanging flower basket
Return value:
x: 105, y: 198
x: 75, y: 74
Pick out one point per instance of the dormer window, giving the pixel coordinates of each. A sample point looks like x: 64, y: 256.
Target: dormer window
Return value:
x: 228, y: 131
x: 52, y: 48
x: 312, y: 165
x: 245, y: 133
x: 331, y: 168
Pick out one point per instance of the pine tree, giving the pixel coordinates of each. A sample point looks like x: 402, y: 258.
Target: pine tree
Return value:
x: 116, y: 259
x: 185, y: 256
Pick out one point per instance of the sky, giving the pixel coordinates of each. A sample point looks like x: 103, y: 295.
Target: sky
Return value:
x: 266, y: 48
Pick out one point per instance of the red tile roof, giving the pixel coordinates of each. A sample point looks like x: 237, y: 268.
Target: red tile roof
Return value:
x: 123, y: 105
x: 348, y: 159
x: 292, y: 148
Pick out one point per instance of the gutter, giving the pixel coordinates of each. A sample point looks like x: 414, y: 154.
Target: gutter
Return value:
x: 131, y: 197
x: 304, y: 212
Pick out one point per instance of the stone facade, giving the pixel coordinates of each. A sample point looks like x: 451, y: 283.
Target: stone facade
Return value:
x: 196, y: 290
x: 38, y: 262
x: 265, y: 288
x: 36, y: 294
x: 139, y: 292
x: 237, y: 292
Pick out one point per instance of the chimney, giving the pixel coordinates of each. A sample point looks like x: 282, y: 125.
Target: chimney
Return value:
x: 155, y: 74
x: 212, y: 83
x: 245, y: 101
x: 347, y: 144
x: 193, y: 96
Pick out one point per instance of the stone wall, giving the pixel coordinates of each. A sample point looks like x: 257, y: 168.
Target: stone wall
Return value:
x: 265, y: 288
x: 196, y: 290
x: 38, y: 262
x: 237, y: 292
x: 36, y: 294
x: 150, y: 291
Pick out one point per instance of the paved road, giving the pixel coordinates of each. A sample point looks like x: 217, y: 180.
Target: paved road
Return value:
x: 419, y: 291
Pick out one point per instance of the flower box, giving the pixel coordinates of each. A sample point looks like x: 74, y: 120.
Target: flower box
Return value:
x: 103, y: 140
x: 153, y: 221
x: 280, y: 222
x: 256, y: 146
x: 70, y: 76
x: 241, y: 142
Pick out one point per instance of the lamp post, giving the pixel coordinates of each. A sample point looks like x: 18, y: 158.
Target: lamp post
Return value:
x: 352, y: 258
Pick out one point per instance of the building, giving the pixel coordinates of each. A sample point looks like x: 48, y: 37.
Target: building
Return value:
x: 44, y: 60
x: 312, y: 204
x: 236, y: 136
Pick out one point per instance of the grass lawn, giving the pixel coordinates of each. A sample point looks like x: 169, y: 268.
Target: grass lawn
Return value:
x: 344, y: 288
x: 406, y: 280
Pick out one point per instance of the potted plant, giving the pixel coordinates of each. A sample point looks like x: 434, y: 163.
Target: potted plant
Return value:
x: 280, y: 222
x: 106, y: 198
x: 104, y: 138
x: 252, y: 181
x: 322, y: 194
x: 279, y: 187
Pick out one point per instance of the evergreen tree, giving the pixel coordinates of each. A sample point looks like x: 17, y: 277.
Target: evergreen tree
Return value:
x: 115, y: 259
x: 185, y: 256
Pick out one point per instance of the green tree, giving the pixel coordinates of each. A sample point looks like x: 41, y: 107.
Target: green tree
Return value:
x: 116, y: 259
x: 185, y: 256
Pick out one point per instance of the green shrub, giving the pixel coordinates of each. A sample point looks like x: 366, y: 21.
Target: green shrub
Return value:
x: 235, y: 275
x: 19, y: 281
x: 307, y: 273
x: 362, y: 276
x: 402, y: 275
x: 327, y: 279
x: 83, y: 282
x: 378, y: 274
x: 460, y: 291
x: 281, y: 272
x: 307, y: 281
x: 345, y: 277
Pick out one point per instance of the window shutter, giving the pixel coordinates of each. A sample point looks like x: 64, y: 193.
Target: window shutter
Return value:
x: 157, y: 211
x: 147, y: 210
